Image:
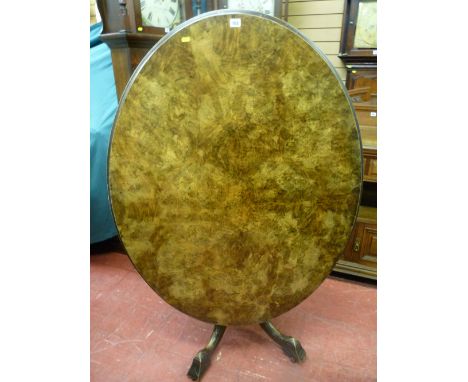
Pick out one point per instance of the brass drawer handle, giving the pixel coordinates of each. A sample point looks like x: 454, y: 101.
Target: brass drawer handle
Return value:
x: 357, y: 245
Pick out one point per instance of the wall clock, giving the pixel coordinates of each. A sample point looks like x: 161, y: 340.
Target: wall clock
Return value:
x: 160, y: 13
x: 359, y: 32
x: 153, y: 16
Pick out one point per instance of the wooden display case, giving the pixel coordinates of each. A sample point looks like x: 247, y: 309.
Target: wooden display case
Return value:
x: 360, y: 256
x: 359, y: 53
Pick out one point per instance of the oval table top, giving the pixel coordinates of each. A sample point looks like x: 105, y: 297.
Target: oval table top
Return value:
x: 235, y: 168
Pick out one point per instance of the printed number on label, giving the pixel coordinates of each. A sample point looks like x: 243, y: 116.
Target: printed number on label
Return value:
x: 235, y: 23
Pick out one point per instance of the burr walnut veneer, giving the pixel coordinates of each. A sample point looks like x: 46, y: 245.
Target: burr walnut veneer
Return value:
x: 235, y: 168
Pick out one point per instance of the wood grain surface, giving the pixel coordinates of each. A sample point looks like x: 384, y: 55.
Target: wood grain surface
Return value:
x: 235, y: 169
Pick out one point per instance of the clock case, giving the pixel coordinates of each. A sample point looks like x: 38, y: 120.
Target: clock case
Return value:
x: 124, y: 16
x: 127, y: 38
x: 348, y: 52
x: 186, y: 9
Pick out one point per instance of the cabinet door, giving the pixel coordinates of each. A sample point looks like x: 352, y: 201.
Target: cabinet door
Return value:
x: 368, y: 254
x: 363, y: 246
x: 360, y: 256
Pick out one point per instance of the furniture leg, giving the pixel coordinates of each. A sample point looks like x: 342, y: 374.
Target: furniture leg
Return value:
x: 291, y: 347
x: 202, y: 359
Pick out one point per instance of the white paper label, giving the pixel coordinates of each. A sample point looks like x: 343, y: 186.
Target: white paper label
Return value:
x: 374, y: 52
x: 235, y: 23
x: 373, y: 114
x: 167, y: 29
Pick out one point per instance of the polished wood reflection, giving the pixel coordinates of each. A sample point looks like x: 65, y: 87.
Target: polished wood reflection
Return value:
x: 235, y: 169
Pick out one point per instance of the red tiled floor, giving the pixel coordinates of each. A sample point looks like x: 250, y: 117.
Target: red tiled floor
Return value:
x: 137, y: 337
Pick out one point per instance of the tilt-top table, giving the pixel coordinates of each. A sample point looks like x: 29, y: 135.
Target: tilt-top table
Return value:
x: 235, y: 171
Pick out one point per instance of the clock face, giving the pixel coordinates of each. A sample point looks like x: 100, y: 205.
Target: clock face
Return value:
x: 263, y: 6
x: 160, y: 13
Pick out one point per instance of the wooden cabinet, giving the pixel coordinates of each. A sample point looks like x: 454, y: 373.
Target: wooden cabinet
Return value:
x: 360, y: 256
x: 358, y: 50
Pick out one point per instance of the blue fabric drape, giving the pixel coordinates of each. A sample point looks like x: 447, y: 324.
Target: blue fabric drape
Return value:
x: 103, y: 109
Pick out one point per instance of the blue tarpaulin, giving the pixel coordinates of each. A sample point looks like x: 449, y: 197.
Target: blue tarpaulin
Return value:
x: 103, y: 108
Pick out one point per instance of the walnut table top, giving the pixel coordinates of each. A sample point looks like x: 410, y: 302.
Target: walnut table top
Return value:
x: 235, y: 168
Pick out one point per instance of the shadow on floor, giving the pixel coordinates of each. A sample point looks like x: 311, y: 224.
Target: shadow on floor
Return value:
x: 110, y: 245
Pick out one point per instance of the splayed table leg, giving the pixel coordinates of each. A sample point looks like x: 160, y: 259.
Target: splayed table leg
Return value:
x: 291, y: 347
x: 202, y: 359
